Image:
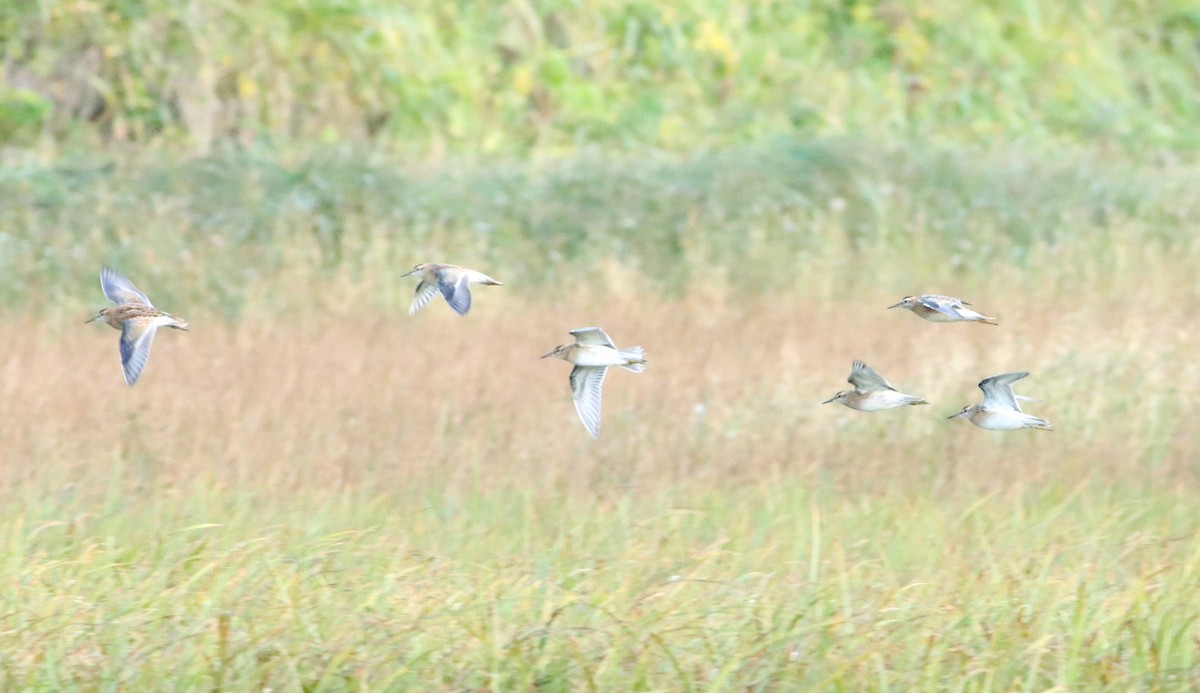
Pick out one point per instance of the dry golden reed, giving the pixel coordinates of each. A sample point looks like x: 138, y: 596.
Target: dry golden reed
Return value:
x: 732, y: 394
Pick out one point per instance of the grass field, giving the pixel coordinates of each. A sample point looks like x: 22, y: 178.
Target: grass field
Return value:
x: 377, y: 502
x: 782, y: 583
x: 312, y: 491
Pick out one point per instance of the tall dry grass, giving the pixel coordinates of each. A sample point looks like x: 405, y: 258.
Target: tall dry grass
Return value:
x: 336, y: 400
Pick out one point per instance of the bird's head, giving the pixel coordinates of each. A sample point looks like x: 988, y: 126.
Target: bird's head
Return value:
x: 839, y: 397
x: 560, y: 351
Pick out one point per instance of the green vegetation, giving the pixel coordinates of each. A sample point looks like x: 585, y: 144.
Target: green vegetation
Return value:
x: 762, y: 587
x: 551, y: 76
x: 785, y: 215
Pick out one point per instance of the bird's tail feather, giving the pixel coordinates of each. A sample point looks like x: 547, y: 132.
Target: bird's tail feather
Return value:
x: 637, y: 358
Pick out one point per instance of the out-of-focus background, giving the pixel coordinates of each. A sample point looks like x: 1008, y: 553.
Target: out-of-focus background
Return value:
x: 312, y: 490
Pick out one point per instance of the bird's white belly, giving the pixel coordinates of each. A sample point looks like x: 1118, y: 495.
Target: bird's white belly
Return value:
x: 882, y: 399
x: 1001, y: 420
x: 598, y: 356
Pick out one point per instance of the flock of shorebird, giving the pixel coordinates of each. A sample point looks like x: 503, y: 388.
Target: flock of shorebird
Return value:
x: 593, y: 352
x: 1000, y: 409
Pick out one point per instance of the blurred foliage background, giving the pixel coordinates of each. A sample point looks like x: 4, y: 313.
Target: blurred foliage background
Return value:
x: 549, y: 77
x: 764, y: 142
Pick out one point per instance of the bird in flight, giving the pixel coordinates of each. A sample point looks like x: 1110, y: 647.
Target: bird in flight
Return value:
x: 592, y: 353
x: 136, y: 317
x: 1000, y: 410
x: 871, y: 392
x: 452, y: 281
x: 935, y: 308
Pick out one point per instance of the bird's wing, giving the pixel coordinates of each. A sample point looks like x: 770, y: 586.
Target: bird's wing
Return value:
x: 120, y: 290
x: 942, y: 304
x: 997, y: 390
x: 424, y: 294
x: 944, y: 300
x: 865, y: 379
x: 480, y: 277
x: 586, y: 384
x: 592, y: 336
x: 137, y: 335
x: 456, y: 290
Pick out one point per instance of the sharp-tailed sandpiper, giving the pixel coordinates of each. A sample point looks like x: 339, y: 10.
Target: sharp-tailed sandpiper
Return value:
x: 453, y: 281
x: 871, y: 392
x: 1000, y: 410
x: 137, y: 319
x: 592, y: 354
x: 935, y: 308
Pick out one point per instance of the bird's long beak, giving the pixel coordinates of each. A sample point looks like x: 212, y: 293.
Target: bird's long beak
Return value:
x: 545, y: 355
x: 895, y: 305
x: 964, y: 411
x: 408, y: 273
x: 829, y: 400
x: 94, y: 318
